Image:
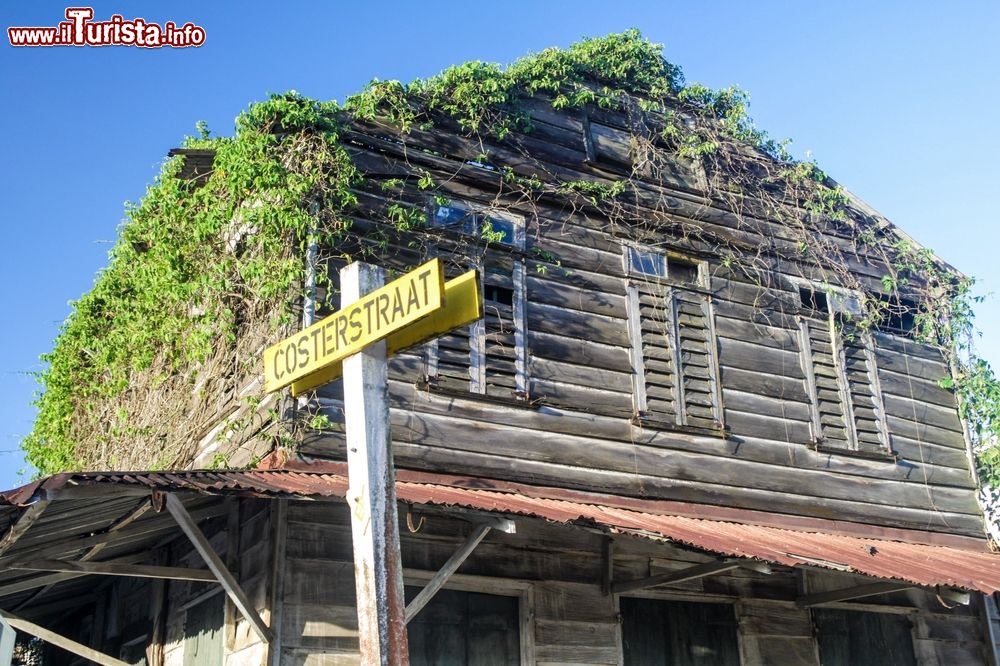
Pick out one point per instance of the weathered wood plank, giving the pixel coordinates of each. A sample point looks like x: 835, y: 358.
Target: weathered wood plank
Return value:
x: 61, y: 641
x: 642, y: 485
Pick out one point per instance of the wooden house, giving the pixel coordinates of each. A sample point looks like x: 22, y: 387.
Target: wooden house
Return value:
x: 674, y: 436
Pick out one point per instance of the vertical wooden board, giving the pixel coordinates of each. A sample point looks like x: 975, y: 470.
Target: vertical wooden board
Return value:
x: 493, y: 636
x: 864, y: 639
x: 678, y: 632
x: 203, y: 640
x: 459, y: 627
x: 636, y: 356
x: 573, y: 601
x: 779, y: 651
x: 948, y: 653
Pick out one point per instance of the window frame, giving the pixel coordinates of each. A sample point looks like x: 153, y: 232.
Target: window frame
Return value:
x: 477, y: 385
x: 840, y: 303
x: 636, y: 346
x: 506, y: 587
x: 665, y: 594
x: 605, y: 161
x: 479, y: 214
x: 665, y: 256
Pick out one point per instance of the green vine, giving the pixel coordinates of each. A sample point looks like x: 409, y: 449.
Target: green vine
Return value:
x: 204, y: 275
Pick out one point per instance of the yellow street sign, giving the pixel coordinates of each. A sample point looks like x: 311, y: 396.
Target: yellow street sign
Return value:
x: 463, y: 305
x: 349, y: 330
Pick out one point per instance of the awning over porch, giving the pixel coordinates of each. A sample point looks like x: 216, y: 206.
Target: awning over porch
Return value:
x: 99, y: 501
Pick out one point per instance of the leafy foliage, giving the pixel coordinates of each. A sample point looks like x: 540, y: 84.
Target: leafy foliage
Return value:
x: 202, y: 277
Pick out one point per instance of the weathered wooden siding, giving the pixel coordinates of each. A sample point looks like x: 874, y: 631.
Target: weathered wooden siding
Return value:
x: 556, y: 570
x: 576, y: 429
x: 244, y: 540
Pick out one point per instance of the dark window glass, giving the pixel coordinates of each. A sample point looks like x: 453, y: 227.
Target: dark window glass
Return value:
x: 682, y: 271
x: 678, y: 633
x: 611, y: 146
x: 898, y: 315
x: 455, y: 217
x: 463, y: 219
x: 814, y: 300
x: 856, y: 638
x: 499, y: 231
x: 502, y: 295
x: 465, y: 628
x: 647, y: 263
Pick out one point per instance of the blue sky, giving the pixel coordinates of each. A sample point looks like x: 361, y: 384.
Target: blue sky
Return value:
x: 896, y: 100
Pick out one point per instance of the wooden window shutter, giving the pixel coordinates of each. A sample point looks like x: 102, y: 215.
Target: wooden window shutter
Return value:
x: 499, y: 360
x: 489, y: 356
x: 698, y: 359
x: 862, y: 387
x: 449, y: 357
x: 843, y: 385
x: 674, y: 357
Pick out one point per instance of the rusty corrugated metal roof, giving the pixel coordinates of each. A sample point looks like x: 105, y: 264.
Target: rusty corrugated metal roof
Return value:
x: 918, y: 563
x: 257, y: 483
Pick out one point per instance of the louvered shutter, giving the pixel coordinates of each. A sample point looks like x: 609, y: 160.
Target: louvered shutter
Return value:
x: 502, y: 303
x: 652, y: 321
x: 693, y: 313
x: 449, y: 357
x: 843, y: 384
x: 487, y: 357
x: 678, y: 365
x: 862, y: 388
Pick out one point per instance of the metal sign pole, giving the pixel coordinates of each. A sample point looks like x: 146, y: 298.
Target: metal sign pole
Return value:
x: 378, y: 570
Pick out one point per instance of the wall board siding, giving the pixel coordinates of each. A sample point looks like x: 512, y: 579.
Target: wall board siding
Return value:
x: 580, y: 378
x: 556, y: 568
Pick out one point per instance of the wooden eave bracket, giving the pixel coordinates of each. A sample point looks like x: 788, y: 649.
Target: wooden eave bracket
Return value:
x: 218, y: 568
x: 690, y: 573
x: 455, y: 561
x: 872, y: 589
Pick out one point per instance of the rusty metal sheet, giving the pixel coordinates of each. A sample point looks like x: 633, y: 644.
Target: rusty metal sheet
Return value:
x: 963, y: 563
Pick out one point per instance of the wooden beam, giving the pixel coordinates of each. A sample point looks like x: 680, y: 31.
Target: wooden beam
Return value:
x: 608, y: 564
x: 690, y: 573
x: 24, y: 521
x: 450, y: 567
x: 154, y: 526
x: 279, y: 526
x: 371, y: 494
x: 52, y: 579
x: 215, y: 564
x: 848, y: 593
x: 112, y: 569
x: 98, y: 491
x: 59, y: 640
x: 59, y: 606
x: 144, y: 506
x: 123, y: 522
